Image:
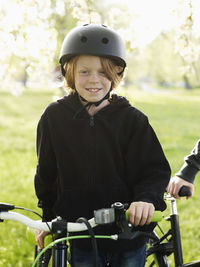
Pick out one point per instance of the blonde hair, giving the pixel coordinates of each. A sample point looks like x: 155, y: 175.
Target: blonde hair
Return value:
x: 109, y: 68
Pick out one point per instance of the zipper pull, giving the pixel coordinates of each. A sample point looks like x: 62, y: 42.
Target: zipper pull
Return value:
x: 91, y: 121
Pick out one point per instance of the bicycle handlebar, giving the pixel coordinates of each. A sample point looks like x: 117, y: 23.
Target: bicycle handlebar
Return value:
x: 157, y: 216
x: 46, y: 226
x: 71, y: 227
x: 117, y: 213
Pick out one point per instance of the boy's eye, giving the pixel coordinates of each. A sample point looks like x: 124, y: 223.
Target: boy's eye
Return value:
x: 83, y: 71
x: 102, y: 72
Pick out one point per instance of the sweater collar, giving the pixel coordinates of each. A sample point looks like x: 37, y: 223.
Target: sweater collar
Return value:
x: 73, y: 103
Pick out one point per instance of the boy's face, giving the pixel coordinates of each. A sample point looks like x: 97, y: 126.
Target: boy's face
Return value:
x: 90, y: 80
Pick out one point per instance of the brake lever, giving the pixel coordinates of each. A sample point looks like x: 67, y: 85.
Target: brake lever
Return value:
x: 125, y: 226
x: 128, y: 233
x: 134, y: 235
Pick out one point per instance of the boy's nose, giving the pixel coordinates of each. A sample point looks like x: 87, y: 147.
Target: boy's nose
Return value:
x: 94, y: 77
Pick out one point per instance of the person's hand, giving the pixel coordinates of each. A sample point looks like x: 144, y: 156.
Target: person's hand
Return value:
x: 175, y: 185
x: 140, y: 213
x: 39, y: 236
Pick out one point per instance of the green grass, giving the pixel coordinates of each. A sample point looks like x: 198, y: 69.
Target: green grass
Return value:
x: 173, y: 115
x: 175, y: 119
x: 18, y: 122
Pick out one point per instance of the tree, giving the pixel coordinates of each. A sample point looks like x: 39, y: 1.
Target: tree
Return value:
x: 31, y: 38
x: 187, y: 41
x: 25, y: 35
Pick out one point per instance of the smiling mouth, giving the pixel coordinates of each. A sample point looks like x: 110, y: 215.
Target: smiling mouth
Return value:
x: 93, y: 90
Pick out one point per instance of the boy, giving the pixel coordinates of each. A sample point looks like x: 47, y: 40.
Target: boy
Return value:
x: 95, y: 149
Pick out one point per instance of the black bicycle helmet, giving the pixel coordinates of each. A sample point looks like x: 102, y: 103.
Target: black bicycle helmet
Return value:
x: 93, y: 39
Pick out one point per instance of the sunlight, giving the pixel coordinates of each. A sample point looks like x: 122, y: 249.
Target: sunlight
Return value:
x: 30, y: 30
x: 150, y: 17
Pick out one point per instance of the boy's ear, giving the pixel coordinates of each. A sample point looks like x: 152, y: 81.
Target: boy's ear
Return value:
x: 119, y: 69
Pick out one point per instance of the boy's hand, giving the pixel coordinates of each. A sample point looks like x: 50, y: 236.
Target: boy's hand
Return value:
x: 140, y: 213
x: 39, y: 236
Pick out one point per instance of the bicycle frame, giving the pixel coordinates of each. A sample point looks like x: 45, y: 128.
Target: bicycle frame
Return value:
x: 60, y: 254
x: 174, y: 244
x: 161, y: 251
x: 176, y: 236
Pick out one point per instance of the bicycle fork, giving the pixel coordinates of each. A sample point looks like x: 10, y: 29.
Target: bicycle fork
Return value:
x: 176, y: 236
x: 60, y: 254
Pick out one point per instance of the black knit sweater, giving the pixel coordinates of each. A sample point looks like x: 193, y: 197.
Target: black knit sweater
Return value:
x: 89, y: 162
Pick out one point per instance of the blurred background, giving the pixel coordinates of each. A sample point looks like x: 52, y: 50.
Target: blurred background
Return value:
x: 162, y: 80
x: 162, y: 39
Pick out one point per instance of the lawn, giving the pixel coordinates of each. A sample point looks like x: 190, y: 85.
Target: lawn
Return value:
x: 173, y: 114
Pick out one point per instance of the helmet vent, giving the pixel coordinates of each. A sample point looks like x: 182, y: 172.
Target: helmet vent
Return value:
x: 105, y: 40
x: 83, y: 39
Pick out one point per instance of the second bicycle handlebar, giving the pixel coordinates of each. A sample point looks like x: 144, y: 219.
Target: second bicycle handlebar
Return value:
x: 185, y: 191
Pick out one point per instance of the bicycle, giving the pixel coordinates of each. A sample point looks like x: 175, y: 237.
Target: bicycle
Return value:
x: 170, y: 241
x: 59, y: 230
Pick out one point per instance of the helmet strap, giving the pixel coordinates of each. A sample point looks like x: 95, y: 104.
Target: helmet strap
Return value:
x: 98, y: 102
x: 89, y: 104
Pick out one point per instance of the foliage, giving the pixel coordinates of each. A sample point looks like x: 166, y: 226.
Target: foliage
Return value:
x: 162, y: 62
x: 21, y: 41
x: 187, y: 38
x: 30, y: 39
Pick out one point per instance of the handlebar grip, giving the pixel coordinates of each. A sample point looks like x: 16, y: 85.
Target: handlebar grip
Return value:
x: 157, y: 216
x: 184, y: 191
x: 6, y: 206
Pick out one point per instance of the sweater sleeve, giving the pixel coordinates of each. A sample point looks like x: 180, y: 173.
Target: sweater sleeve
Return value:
x: 147, y: 163
x: 192, y: 165
x: 46, y: 171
